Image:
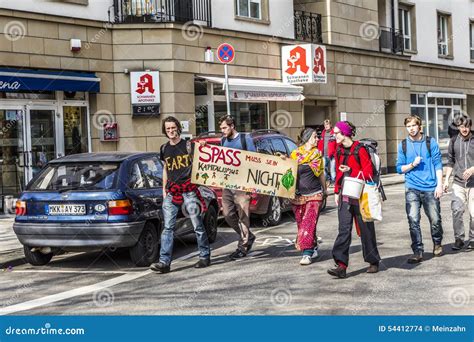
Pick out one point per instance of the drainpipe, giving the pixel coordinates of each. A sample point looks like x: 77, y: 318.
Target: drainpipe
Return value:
x: 393, y: 25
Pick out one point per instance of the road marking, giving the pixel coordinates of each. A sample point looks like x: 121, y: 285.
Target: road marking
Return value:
x: 35, y: 303
x: 71, y: 271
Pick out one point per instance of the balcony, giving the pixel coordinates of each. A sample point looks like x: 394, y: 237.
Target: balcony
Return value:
x: 162, y: 11
x: 391, y: 40
x: 308, y: 27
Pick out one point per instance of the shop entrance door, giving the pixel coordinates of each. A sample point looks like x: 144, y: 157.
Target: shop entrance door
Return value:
x: 40, y: 140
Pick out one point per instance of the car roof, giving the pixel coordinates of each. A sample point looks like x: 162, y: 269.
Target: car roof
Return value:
x: 101, y: 157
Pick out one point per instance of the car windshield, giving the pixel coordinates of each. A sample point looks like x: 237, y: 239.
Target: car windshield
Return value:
x: 76, y: 176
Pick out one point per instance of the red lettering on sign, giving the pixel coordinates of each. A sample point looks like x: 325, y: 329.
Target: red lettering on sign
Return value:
x: 216, y: 154
x: 297, y: 60
x: 319, y: 61
x: 146, y: 82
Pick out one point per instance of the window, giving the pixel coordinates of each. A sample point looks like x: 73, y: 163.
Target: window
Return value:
x: 263, y: 146
x: 249, y: 8
x: 152, y: 172
x: 443, y: 46
x: 471, y: 39
x: 291, y: 145
x: 404, y: 22
x: 248, y: 116
x: 137, y: 181
x: 279, y: 147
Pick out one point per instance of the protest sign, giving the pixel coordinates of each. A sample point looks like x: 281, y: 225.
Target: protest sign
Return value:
x: 242, y: 170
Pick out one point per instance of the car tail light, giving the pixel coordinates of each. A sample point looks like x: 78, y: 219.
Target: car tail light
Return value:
x: 120, y: 207
x: 20, y: 208
x: 253, y: 199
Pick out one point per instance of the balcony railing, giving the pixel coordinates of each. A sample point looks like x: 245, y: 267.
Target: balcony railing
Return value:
x: 391, y: 39
x: 163, y: 11
x: 308, y: 27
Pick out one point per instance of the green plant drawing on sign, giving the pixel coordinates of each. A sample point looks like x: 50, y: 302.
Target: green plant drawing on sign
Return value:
x: 288, y: 180
x: 205, y: 177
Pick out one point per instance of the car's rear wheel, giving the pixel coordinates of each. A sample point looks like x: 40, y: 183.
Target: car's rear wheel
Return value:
x: 210, y: 223
x: 145, y: 252
x: 36, y: 258
x: 274, y: 213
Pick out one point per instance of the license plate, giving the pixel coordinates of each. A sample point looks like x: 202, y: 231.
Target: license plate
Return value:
x: 66, y: 209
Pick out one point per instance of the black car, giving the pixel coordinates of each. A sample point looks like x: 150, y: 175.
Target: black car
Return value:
x: 100, y: 200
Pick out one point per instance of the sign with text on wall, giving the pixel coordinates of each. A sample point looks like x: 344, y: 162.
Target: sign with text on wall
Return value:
x: 233, y: 169
x: 145, y: 92
x: 304, y: 63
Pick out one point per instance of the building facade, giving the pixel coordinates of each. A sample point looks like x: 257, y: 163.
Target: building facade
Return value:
x: 383, y: 61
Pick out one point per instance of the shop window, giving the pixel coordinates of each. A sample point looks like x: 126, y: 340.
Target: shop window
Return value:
x: 248, y: 116
x: 202, y: 124
x: 37, y: 95
x: 75, y: 95
x: 200, y: 88
x: 75, y: 130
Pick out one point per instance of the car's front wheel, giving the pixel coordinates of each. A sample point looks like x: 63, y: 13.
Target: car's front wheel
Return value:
x: 273, y: 215
x: 36, y: 258
x: 210, y: 223
x: 146, y: 251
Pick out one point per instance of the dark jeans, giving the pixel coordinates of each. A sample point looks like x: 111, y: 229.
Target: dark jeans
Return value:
x: 414, y: 200
x: 347, y: 213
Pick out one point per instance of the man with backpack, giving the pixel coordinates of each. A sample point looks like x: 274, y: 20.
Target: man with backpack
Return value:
x: 419, y: 159
x: 235, y: 203
x: 178, y: 190
x: 461, y: 160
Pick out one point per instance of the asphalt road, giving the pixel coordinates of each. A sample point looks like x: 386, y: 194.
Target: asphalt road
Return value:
x: 269, y: 281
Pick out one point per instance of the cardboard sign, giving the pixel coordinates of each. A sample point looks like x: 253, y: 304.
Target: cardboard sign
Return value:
x: 304, y: 63
x: 229, y: 168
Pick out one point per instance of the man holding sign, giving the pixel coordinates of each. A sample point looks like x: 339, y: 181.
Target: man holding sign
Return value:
x: 236, y: 203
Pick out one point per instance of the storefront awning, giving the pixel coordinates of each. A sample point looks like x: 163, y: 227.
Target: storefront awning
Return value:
x: 447, y: 95
x: 12, y: 80
x: 259, y: 90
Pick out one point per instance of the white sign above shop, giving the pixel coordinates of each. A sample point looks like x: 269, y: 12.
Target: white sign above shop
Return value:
x: 304, y: 63
x: 145, y: 92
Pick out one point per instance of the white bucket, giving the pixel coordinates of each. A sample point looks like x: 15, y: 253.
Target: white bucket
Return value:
x: 352, y: 187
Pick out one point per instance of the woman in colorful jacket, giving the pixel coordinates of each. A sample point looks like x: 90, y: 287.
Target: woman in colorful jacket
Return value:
x: 350, y: 165
x: 310, y: 191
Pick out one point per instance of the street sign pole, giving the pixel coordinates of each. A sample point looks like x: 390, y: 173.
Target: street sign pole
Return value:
x: 227, y: 95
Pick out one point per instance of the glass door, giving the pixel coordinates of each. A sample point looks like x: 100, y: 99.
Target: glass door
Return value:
x: 40, y: 139
x: 74, y: 130
x: 12, y: 153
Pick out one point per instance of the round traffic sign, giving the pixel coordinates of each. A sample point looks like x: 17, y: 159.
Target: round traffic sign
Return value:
x: 225, y: 53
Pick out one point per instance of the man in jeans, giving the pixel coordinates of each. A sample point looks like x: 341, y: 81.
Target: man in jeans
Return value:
x: 327, y: 147
x: 419, y: 159
x: 177, y: 191
x: 235, y: 203
x: 461, y: 160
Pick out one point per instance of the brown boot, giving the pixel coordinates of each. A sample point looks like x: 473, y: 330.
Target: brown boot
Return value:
x: 373, y: 268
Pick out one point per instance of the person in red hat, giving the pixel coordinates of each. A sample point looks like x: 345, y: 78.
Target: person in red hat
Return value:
x: 352, y: 160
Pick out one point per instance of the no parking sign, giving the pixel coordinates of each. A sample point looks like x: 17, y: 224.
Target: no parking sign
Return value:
x: 225, y: 53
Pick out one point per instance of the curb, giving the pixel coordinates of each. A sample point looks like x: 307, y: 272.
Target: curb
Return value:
x: 16, y: 259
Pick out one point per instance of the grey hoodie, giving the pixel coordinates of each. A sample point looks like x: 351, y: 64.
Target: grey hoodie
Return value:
x: 460, y: 158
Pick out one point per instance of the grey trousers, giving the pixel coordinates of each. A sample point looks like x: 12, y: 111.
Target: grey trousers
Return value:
x: 236, y: 209
x: 462, y: 198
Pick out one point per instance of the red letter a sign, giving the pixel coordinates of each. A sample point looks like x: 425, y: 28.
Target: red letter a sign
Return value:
x: 297, y: 59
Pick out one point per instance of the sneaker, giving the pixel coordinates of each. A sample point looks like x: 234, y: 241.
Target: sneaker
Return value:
x: 458, y: 244
x: 160, y: 267
x: 373, y: 268
x: 250, y: 243
x: 305, y: 260
x: 315, y: 253
x: 238, y: 254
x: 415, y: 258
x: 438, y: 250
x: 337, y: 271
x: 202, y: 263
x: 470, y: 245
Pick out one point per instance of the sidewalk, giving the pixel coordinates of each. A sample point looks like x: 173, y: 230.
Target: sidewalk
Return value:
x: 11, y: 251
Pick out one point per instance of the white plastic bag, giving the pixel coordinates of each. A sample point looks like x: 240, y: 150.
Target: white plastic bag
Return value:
x: 371, y: 203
